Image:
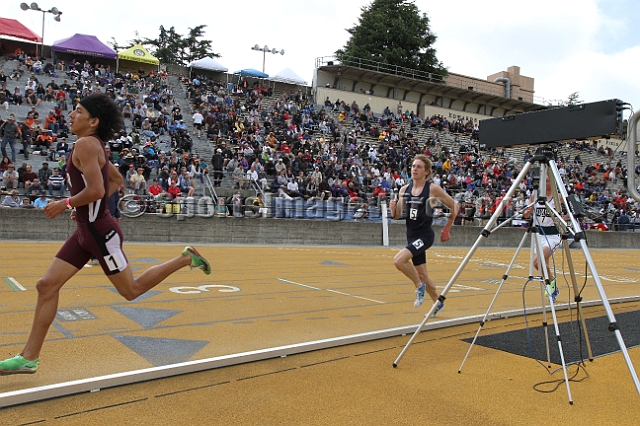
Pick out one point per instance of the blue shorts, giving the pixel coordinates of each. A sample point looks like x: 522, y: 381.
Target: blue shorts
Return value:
x: 418, y: 246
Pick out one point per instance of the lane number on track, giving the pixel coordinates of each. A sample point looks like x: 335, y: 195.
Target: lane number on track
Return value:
x: 203, y: 289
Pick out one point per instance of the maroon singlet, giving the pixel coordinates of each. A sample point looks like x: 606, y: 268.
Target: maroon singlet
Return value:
x: 97, y: 234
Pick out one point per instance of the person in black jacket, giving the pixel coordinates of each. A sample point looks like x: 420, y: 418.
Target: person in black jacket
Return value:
x: 217, y: 163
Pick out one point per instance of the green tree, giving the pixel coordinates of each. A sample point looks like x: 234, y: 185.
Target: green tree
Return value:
x: 136, y: 40
x: 172, y: 48
x: 393, y: 32
x: 195, y: 48
x: 574, y: 99
x: 167, y: 46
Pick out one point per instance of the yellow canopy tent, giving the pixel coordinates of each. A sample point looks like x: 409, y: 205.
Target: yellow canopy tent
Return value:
x: 137, y: 53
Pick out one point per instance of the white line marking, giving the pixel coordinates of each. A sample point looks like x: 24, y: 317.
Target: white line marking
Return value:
x: 468, y: 287
x: 351, y: 295
x: 57, y: 390
x: 291, y: 282
x: 333, y: 291
x: 17, y: 284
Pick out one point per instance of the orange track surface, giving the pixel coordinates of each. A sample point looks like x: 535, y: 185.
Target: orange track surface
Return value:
x: 286, y: 295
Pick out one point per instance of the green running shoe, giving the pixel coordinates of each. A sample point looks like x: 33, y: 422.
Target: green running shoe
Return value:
x: 18, y: 365
x: 197, y: 261
x: 554, y: 290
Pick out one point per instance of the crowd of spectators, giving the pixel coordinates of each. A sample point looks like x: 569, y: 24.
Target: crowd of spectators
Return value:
x: 343, y: 151
x: 292, y: 146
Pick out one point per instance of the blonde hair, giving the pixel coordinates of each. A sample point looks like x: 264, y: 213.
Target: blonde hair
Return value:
x: 426, y: 161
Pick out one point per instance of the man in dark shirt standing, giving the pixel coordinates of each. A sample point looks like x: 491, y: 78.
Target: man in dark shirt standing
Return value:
x: 45, y: 173
x: 217, y: 163
x: 10, y: 132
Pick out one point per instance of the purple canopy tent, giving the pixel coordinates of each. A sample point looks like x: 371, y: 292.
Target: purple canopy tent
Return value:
x: 85, y: 45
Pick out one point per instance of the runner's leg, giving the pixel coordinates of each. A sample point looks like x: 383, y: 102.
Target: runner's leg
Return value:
x: 402, y: 262
x: 424, y: 276
x: 130, y: 287
x: 48, y: 287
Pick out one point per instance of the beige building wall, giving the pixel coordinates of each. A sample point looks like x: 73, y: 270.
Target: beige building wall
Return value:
x: 377, y: 103
x: 521, y: 86
x: 613, y: 143
x: 428, y: 111
x: 474, y: 84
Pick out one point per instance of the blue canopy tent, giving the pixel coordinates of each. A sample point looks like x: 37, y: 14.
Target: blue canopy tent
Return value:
x: 250, y: 72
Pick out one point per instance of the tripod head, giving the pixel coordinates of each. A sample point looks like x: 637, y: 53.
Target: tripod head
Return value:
x: 546, y: 153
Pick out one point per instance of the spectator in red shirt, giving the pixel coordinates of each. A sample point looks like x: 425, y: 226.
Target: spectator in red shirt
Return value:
x: 379, y: 191
x: 173, y: 190
x: 155, y: 189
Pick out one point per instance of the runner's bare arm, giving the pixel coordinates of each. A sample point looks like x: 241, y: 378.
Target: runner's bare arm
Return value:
x: 86, y: 157
x: 115, y: 179
x: 437, y: 191
x: 397, y: 206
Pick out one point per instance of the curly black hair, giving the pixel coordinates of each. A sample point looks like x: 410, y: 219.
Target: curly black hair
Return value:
x: 102, y: 107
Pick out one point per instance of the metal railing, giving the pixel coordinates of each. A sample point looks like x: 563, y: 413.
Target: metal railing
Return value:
x: 451, y: 80
x: 367, y: 64
x: 632, y: 143
x: 209, y: 187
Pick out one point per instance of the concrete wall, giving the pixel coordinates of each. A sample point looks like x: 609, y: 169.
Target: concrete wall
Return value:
x: 377, y: 103
x: 17, y: 224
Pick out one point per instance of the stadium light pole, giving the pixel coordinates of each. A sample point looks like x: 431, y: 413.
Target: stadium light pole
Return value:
x: 54, y: 11
x: 264, y: 51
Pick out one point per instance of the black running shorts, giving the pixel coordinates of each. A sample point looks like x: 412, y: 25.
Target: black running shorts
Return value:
x: 418, y: 245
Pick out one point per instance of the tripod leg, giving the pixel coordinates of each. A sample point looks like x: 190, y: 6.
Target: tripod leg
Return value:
x: 579, y: 235
x: 578, y: 298
x: 545, y: 323
x: 564, y: 364
x: 536, y: 246
x: 439, y: 300
x: 486, y: 315
x: 542, y: 267
x: 613, y: 326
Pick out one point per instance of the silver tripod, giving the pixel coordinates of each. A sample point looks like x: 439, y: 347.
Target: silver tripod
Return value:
x: 537, y: 237
x: 548, y: 169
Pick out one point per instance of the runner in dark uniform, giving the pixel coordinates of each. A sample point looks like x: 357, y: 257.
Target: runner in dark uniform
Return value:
x: 415, y: 203
x: 419, y: 217
x: 91, y: 178
x: 98, y: 234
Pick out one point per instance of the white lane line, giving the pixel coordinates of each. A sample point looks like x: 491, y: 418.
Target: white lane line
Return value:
x: 351, y: 295
x: 17, y: 284
x: 302, y: 285
x: 333, y: 291
x: 468, y: 287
